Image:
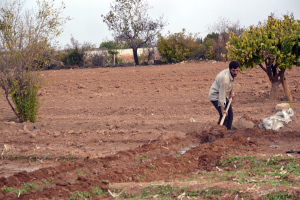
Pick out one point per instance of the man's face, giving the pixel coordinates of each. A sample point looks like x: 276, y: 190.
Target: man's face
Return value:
x: 234, y: 72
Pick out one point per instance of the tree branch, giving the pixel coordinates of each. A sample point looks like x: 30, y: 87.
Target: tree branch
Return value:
x: 269, y: 72
x: 6, y: 95
x: 281, y: 74
x: 263, y: 68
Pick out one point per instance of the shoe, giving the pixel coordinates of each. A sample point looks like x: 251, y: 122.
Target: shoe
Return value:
x: 291, y: 151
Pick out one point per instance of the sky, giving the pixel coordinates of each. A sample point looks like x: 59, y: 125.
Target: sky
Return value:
x: 193, y: 15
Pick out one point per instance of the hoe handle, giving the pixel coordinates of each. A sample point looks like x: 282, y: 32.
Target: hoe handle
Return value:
x: 223, y: 118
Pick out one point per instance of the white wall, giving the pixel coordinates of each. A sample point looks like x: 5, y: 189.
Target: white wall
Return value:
x: 121, y: 52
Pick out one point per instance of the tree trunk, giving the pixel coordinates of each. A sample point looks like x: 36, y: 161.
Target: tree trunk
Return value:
x: 274, y: 90
x: 149, y: 54
x: 274, y: 75
x: 135, y: 56
x: 286, y: 89
x: 8, y: 101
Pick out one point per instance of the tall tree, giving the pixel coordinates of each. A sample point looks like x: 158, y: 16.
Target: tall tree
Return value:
x: 274, y: 46
x: 130, y: 22
x: 26, y: 37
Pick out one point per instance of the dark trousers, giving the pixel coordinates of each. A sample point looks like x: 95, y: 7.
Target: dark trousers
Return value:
x: 229, y: 118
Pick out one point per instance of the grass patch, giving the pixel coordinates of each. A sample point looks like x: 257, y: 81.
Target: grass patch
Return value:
x: 170, y: 192
x: 7, y: 189
x: 279, y: 196
x: 97, y: 191
x: 27, y: 187
x: 83, y: 195
x: 249, y: 169
x: 67, y: 158
x: 149, y: 191
x: 38, y: 158
x: 237, y: 159
x: 80, y: 195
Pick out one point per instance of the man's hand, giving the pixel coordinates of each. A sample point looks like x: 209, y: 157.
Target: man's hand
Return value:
x: 231, y: 95
x: 223, y: 111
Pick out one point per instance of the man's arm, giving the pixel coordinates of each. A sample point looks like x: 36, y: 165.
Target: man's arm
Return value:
x: 231, y: 94
x: 222, y: 97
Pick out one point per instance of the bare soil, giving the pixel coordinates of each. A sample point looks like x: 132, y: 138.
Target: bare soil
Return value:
x: 125, y: 129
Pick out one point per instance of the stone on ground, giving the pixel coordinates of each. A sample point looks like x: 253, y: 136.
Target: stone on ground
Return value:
x: 282, y: 106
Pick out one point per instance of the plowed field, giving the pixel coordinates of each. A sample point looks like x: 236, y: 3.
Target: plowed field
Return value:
x: 127, y: 133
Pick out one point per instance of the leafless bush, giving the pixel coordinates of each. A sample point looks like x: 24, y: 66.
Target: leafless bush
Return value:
x: 98, y: 60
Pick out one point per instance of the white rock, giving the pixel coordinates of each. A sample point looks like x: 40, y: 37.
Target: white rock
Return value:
x: 192, y: 120
x: 282, y: 106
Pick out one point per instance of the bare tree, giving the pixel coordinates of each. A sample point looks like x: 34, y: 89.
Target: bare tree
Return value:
x: 75, y: 44
x: 26, y: 37
x: 129, y: 22
x: 222, y: 26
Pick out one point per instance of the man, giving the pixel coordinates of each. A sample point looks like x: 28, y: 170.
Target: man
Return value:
x: 221, y: 89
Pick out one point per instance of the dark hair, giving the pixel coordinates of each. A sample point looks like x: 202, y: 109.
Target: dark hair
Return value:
x: 234, y: 64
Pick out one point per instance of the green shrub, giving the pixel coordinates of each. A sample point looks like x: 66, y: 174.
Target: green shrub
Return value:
x: 177, y: 47
x: 75, y: 57
x: 113, y: 52
x: 143, y: 59
x: 63, y: 57
x: 25, y: 96
x: 119, y: 61
x: 110, y: 45
x: 210, y: 52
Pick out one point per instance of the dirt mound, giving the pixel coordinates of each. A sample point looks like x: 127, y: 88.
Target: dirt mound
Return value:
x: 216, y: 132
x: 210, y: 154
x: 244, y: 122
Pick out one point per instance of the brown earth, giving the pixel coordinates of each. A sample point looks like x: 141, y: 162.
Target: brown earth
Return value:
x: 127, y: 127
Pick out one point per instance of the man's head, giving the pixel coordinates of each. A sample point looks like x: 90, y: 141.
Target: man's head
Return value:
x: 234, y: 67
